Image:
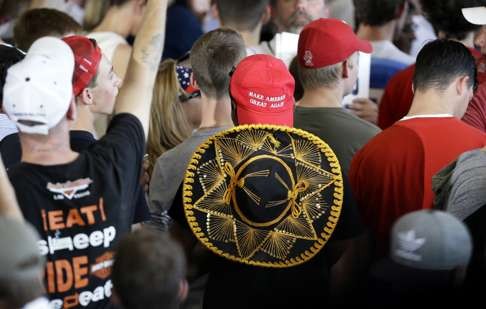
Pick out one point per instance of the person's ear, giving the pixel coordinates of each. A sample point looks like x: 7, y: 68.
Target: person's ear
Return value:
x: 87, y: 96
x: 215, y: 12
x: 267, y: 14
x: 183, y: 290
x: 345, y: 65
x: 462, y: 85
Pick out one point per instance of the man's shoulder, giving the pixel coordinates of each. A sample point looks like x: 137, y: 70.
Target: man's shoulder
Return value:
x: 338, y: 119
x: 392, y: 141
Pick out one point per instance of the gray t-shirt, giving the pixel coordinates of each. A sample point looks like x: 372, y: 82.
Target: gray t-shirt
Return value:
x: 168, y: 174
x: 344, y: 132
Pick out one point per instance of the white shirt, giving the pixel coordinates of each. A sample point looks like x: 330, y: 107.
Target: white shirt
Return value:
x: 386, y: 50
x: 427, y: 116
x: 108, y: 42
x: 39, y: 303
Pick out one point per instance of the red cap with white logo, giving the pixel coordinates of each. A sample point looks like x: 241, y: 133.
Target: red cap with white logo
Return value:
x: 262, y: 89
x: 328, y: 41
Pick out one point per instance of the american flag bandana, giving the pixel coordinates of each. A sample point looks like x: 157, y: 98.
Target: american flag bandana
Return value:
x: 184, y: 76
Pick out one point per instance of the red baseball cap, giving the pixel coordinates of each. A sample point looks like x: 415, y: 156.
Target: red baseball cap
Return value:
x: 328, y: 41
x: 262, y: 89
x: 87, y: 57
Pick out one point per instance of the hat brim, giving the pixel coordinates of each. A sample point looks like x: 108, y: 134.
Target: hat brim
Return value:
x: 284, y: 118
x: 475, y: 15
x: 263, y: 195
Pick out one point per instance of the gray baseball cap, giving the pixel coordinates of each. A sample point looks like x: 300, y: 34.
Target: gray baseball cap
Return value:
x: 430, y: 240
x: 20, y: 258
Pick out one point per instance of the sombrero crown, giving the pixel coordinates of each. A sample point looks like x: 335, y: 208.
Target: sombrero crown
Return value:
x: 263, y: 195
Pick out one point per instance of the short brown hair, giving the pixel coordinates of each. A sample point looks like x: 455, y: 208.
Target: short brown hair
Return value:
x: 323, y: 77
x: 148, y: 269
x: 37, y: 23
x: 212, y: 58
x: 315, y: 78
x: 243, y: 15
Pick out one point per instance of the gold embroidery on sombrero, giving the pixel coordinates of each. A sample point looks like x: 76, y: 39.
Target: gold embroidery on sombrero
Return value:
x: 220, y: 228
x: 240, y: 183
x: 232, y: 151
x: 213, y: 201
x: 248, y: 240
x: 306, y: 200
x: 317, y: 179
x: 299, y: 227
x: 210, y: 175
x: 305, y: 151
x: 259, y: 140
x: 278, y: 245
x: 315, y: 206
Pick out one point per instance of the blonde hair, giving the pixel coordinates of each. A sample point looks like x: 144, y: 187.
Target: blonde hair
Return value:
x: 168, y: 123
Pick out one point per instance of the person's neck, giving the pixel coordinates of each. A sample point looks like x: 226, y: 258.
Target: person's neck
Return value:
x: 468, y: 41
x: 377, y: 33
x: 111, y: 22
x: 322, y: 97
x: 215, y: 113
x: 429, y: 103
x: 84, y: 120
x: 52, y: 149
x: 251, y: 38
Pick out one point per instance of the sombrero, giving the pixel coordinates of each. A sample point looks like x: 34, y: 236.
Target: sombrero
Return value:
x: 263, y: 195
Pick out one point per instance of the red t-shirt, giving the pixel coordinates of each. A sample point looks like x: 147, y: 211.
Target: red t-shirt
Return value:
x: 392, y: 174
x: 398, y: 95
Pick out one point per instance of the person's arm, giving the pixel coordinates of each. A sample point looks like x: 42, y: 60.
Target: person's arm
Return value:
x: 8, y: 201
x: 135, y: 95
x: 365, y: 109
x: 121, y: 57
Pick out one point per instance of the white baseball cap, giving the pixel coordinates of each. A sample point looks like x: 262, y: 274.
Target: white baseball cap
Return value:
x: 475, y: 15
x: 38, y: 89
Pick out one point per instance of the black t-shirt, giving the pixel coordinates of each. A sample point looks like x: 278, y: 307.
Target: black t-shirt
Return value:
x: 236, y: 285
x: 11, y: 153
x: 81, y: 210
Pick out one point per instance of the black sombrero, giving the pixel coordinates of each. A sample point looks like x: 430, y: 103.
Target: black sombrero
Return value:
x: 263, y: 195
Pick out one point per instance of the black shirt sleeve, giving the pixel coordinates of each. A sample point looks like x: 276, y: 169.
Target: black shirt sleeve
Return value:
x: 349, y: 224
x: 123, y: 148
x: 176, y: 211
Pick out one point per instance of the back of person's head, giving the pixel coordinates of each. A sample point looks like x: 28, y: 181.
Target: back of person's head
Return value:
x: 169, y: 125
x: 447, y: 19
x: 87, y: 58
x: 377, y: 12
x: 320, y: 65
x: 36, y: 23
x: 262, y: 91
x: 212, y: 58
x: 430, y: 240
x: 9, y: 56
x: 38, y: 90
x: 242, y: 15
x: 21, y: 265
x: 440, y: 62
x: 149, y: 271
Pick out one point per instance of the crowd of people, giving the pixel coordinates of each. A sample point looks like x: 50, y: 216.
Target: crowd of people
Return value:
x: 217, y: 153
